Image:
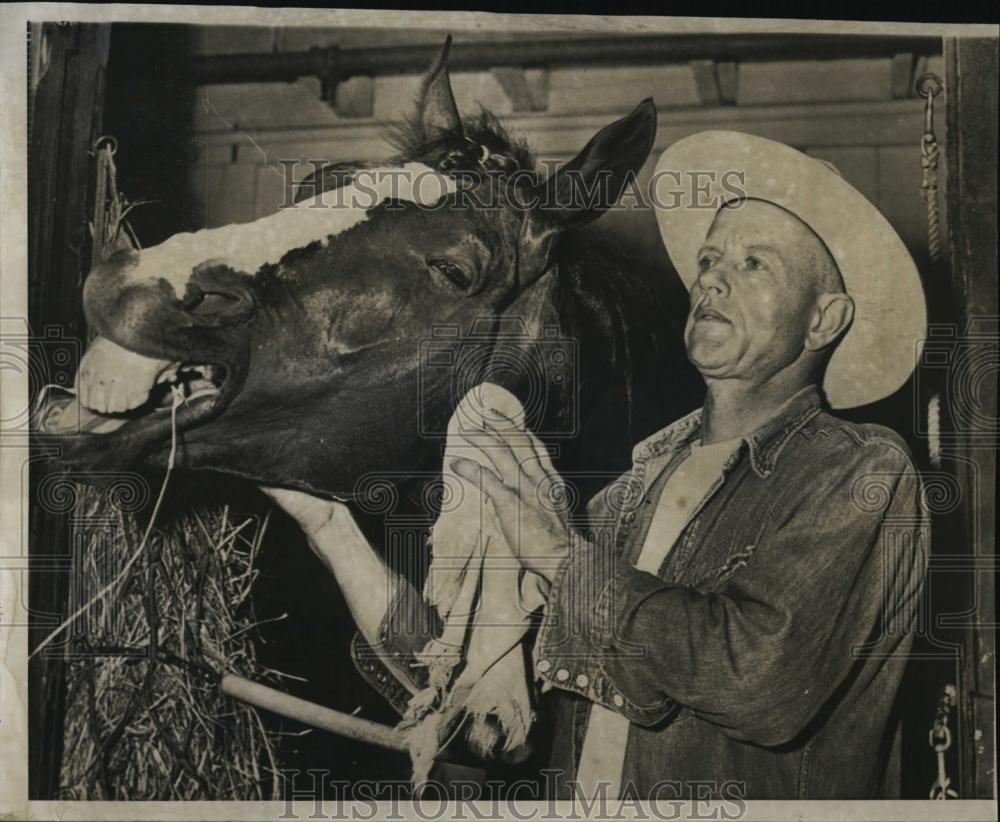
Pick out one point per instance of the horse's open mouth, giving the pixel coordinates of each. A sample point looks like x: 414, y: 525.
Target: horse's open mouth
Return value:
x: 126, y: 394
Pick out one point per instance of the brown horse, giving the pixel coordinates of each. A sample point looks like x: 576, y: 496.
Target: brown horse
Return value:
x: 332, y: 340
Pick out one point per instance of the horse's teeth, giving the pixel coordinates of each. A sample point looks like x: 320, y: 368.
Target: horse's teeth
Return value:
x: 117, y: 401
x: 112, y: 379
x: 170, y: 375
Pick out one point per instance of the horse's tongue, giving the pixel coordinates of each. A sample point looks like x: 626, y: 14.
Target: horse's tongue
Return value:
x: 66, y: 415
x: 112, y: 380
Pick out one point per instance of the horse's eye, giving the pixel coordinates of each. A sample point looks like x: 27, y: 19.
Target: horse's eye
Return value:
x: 455, y: 274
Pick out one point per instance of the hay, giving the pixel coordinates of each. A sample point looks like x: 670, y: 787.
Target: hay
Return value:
x: 145, y: 718
x: 109, y: 230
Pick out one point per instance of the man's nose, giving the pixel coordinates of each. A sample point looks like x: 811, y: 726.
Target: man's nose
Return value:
x: 715, y: 279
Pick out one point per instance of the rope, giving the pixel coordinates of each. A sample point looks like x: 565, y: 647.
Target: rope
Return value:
x: 929, y: 86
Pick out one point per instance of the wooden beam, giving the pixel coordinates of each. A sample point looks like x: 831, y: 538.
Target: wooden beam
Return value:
x: 886, y: 123
x: 356, y: 97
x: 902, y: 76
x: 676, y: 49
x: 706, y: 82
x: 728, y: 76
x: 524, y: 95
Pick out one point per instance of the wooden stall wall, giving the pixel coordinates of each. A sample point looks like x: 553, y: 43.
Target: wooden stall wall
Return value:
x: 66, y: 118
x: 972, y: 76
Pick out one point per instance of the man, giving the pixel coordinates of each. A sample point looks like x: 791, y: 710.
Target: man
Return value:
x: 741, y: 626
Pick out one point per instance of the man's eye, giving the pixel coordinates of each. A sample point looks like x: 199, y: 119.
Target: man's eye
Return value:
x: 753, y: 264
x: 705, y: 262
x: 455, y: 274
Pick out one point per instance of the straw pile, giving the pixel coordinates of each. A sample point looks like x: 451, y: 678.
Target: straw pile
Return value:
x: 144, y: 717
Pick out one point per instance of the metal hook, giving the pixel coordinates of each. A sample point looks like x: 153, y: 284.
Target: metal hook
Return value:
x: 929, y: 85
x: 112, y: 143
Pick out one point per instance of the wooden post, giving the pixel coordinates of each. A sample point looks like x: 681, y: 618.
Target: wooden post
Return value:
x: 66, y: 120
x: 971, y: 84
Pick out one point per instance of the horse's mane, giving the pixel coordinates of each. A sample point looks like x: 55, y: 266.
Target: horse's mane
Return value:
x: 635, y: 377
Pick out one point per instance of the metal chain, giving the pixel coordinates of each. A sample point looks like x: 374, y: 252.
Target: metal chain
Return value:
x: 929, y: 86
x: 940, y: 741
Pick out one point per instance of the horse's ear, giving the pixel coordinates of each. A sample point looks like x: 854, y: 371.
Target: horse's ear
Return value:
x: 436, y: 109
x: 594, y: 180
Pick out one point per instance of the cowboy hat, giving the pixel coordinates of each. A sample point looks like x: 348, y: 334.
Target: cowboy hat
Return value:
x: 878, y: 353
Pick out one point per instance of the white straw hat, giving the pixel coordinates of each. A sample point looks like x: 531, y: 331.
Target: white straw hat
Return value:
x: 879, y: 351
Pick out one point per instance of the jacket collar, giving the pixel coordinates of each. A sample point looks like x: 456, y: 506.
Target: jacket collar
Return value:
x: 764, y: 445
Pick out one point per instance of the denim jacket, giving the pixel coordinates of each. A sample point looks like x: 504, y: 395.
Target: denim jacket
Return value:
x: 763, y: 660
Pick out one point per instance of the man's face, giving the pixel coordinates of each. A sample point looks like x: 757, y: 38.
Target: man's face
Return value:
x: 754, y: 298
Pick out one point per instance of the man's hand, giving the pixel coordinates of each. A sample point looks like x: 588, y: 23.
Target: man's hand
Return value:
x: 528, y: 496
x: 313, y: 514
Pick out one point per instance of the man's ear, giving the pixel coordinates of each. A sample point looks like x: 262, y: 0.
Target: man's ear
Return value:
x: 436, y: 109
x: 595, y: 179
x: 834, y: 315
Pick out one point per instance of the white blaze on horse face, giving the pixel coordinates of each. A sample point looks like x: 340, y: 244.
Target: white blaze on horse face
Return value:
x: 113, y: 380
x: 248, y: 247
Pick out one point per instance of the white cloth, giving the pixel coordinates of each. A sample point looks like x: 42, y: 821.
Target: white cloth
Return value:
x: 603, y: 754
x: 483, y: 595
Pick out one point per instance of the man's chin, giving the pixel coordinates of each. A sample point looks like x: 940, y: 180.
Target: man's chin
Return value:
x: 710, y: 360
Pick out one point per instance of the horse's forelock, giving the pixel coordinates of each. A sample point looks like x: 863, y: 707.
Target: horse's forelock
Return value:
x: 480, y: 143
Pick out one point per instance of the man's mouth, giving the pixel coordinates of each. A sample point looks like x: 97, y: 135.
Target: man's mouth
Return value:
x: 709, y: 314
x: 115, y: 387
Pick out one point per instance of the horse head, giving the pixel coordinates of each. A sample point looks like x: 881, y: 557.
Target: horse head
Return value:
x: 290, y: 350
